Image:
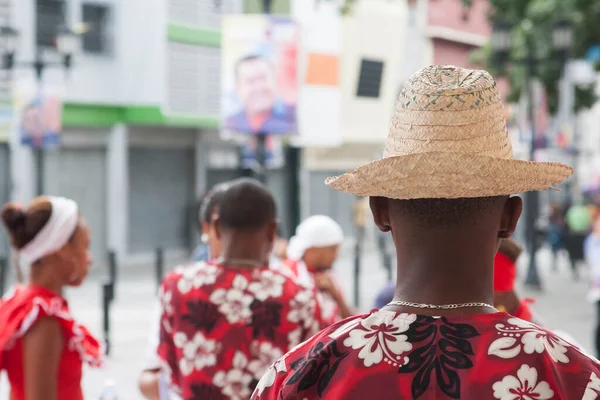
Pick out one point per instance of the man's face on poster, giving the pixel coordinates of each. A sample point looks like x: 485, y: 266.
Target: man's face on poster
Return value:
x: 256, y: 85
x: 33, y: 122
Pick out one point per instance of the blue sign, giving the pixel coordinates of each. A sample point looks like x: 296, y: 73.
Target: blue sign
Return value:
x: 593, y: 54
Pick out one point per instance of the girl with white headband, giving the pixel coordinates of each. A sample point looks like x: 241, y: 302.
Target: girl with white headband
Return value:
x: 43, y: 348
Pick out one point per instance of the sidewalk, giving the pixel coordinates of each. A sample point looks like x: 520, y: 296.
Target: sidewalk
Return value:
x: 562, y: 305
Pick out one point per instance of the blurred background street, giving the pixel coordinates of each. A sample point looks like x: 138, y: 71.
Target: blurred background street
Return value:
x: 136, y: 108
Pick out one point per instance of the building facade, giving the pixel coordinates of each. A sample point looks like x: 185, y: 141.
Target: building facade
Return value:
x: 140, y: 113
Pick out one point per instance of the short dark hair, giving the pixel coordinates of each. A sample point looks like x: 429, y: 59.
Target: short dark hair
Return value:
x: 249, y: 57
x: 246, y: 204
x: 446, y: 213
x: 210, y: 202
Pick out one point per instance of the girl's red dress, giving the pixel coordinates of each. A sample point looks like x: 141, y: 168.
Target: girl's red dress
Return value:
x: 19, y: 310
x: 505, y: 275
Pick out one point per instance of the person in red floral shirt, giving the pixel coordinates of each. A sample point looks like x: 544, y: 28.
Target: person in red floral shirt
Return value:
x: 312, y: 252
x: 443, y: 190
x: 224, y: 322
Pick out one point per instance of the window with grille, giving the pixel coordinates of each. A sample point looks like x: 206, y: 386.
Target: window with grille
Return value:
x: 369, y: 79
x: 95, y: 40
x: 50, y: 19
x: 194, y: 79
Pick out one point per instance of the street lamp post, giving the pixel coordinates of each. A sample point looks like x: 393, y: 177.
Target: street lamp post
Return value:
x: 562, y: 37
x: 66, y: 44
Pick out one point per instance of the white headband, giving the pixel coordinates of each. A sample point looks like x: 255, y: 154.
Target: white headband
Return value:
x: 315, y: 231
x: 55, y: 234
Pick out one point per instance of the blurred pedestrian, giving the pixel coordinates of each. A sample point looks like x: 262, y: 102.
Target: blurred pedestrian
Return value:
x: 360, y: 215
x: 152, y: 379
x: 225, y: 321
x: 556, y: 232
x: 592, y: 257
x: 312, y: 252
x: 385, y: 295
x: 443, y: 190
x: 579, y: 223
x: 43, y: 347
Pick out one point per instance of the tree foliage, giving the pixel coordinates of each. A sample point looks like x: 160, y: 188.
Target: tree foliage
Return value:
x: 532, y: 22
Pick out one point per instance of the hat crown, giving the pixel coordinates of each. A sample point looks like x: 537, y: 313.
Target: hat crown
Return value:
x: 449, y: 109
x: 442, y: 83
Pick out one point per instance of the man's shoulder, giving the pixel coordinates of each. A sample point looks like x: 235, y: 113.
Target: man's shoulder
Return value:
x: 328, y: 335
x: 516, y: 338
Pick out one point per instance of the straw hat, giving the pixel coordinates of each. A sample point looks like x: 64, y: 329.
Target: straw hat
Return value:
x: 448, y: 139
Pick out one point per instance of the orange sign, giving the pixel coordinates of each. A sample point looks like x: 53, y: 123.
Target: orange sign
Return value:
x: 323, y: 69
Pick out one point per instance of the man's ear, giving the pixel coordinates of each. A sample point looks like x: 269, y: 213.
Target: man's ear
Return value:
x: 381, y: 216
x: 511, y: 214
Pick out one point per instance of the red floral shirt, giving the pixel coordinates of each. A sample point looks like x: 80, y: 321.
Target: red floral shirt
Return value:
x: 330, y: 310
x: 387, y: 355
x: 221, y: 328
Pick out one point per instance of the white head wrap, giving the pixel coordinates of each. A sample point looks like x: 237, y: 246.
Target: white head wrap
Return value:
x: 55, y: 234
x: 315, y: 231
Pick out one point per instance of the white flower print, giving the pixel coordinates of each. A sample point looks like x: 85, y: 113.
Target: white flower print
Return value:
x: 295, y: 337
x: 529, y: 337
x: 302, y: 308
x: 592, y: 391
x: 268, y: 284
x: 329, y: 308
x: 235, y: 383
x: 263, y: 355
x: 197, y: 275
x: 378, y: 337
x: 522, y: 387
x: 165, y: 300
x: 268, y: 378
x: 234, y: 303
x: 198, y: 353
x: 302, y: 312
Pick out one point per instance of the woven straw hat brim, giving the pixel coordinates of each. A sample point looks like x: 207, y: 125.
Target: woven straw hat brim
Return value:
x: 449, y: 176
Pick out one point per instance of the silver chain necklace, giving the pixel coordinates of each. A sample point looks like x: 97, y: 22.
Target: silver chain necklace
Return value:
x: 239, y: 261
x: 440, y: 306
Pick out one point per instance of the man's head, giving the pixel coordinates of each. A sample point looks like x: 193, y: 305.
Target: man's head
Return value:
x: 247, y: 217
x: 255, y: 84
x: 321, y: 258
x: 316, y: 242
x: 444, y: 183
x: 495, y: 217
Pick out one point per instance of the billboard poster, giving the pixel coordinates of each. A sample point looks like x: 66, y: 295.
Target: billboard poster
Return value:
x: 259, y: 74
x: 39, y: 115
